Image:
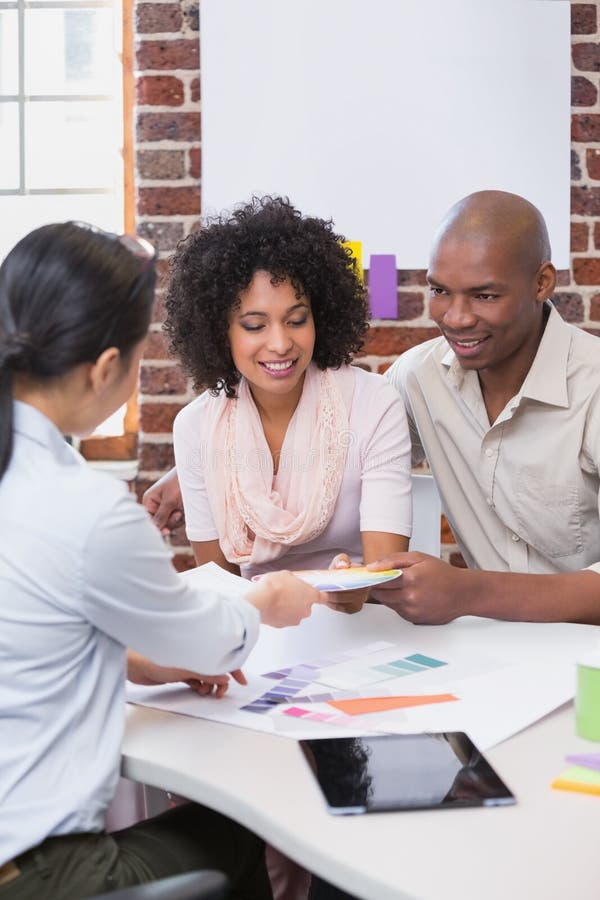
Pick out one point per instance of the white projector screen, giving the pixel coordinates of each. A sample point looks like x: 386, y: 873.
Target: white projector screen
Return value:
x: 382, y: 113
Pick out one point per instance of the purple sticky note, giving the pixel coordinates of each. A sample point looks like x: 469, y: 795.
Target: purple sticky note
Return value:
x: 383, y: 293
x: 589, y: 760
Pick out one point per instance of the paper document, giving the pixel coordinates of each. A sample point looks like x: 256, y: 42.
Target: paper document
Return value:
x: 504, y: 675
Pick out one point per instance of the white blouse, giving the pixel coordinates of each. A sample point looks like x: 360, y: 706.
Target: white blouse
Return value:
x: 83, y: 575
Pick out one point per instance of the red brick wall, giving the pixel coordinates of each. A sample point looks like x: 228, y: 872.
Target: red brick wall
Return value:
x: 168, y: 177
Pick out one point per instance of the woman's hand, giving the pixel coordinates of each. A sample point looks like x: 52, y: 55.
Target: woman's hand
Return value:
x: 282, y: 599
x: 346, y: 601
x: 143, y: 671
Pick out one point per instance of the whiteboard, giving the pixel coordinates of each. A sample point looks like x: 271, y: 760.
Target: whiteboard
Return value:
x: 382, y: 113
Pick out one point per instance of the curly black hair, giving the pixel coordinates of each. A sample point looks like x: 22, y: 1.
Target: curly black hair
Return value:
x: 212, y: 266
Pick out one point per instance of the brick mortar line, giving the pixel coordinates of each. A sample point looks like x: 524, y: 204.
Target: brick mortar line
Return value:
x: 148, y: 442
x: 184, y: 75
x: 185, y: 34
x: 142, y: 37
x: 371, y: 360
x: 167, y: 144
x: 158, y: 437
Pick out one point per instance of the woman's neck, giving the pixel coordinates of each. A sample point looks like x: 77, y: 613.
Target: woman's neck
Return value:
x: 59, y: 399
x: 277, y: 409
x: 43, y: 400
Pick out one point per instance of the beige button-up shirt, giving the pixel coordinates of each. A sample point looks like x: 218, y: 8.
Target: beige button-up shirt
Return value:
x: 521, y: 494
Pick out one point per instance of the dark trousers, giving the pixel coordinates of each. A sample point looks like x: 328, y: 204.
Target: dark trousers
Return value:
x: 75, y: 866
x: 321, y: 890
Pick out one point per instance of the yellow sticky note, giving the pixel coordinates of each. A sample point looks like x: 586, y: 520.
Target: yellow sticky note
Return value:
x: 355, y: 248
x: 578, y: 778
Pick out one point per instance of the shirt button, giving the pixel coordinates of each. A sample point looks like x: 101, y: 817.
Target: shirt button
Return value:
x: 515, y: 537
x: 488, y: 500
x: 489, y: 452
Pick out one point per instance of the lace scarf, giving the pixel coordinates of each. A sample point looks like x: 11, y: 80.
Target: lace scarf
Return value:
x: 259, y: 514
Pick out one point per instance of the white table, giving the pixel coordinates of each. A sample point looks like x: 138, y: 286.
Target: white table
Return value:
x: 547, y: 847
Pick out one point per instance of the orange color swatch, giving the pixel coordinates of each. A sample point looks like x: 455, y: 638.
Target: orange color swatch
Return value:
x: 381, y: 704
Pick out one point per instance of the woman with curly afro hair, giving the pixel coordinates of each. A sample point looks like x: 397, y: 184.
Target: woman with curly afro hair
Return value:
x: 212, y: 267
x: 291, y: 456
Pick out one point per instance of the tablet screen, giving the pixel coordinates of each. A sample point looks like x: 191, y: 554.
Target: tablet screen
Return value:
x: 403, y: 771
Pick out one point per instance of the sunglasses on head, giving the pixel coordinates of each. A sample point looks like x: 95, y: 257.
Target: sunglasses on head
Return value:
x: 143, y: 250
x: 138, y: 246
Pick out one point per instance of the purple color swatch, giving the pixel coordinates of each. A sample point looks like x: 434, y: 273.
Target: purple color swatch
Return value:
x: 383, y: 293
x: 588, y: 760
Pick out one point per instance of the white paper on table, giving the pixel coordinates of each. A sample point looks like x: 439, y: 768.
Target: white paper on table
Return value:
x: 210, y: 576
x: 507, y: 674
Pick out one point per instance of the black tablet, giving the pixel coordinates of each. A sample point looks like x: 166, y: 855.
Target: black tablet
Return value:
x: 403, y: 771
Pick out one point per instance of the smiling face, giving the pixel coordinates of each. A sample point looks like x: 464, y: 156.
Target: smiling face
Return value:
x: 271, y: 338
x: 488, y: 302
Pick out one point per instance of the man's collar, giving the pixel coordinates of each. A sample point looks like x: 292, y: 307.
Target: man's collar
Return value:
x: 546, y: 380
x: 34, y: 425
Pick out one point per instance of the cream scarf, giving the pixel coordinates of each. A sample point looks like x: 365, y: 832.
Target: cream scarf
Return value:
x: 258, y: 514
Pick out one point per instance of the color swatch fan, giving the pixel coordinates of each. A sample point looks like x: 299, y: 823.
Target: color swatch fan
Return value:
x: 349, y: 579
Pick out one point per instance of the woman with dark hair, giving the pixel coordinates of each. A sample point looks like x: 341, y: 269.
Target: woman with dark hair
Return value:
x: 292, y: 457
x: 83, y: 575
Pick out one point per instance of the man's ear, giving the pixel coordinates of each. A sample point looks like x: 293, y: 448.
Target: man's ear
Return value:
x: 545, y: 282
x: 105, y: 370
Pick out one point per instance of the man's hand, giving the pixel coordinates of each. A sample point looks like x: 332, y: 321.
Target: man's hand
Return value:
x: 429, y: 591
x: 164, y: 503
x: 143, y: 671
x: 346, y: 601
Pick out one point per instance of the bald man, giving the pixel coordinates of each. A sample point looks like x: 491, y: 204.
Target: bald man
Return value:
x: 505, y: 407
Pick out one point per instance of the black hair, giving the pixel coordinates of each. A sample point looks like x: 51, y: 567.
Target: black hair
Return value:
x: 213, y: 265
x: 67, y: 293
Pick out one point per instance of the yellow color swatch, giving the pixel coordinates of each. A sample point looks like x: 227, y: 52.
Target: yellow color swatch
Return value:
x: 364, y: 705
x: 355, y: 248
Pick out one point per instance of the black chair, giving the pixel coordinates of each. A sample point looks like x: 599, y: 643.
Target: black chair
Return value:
x: 207, y: 885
